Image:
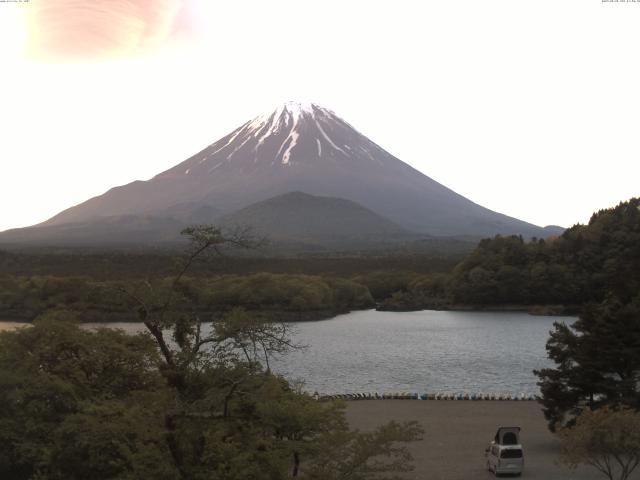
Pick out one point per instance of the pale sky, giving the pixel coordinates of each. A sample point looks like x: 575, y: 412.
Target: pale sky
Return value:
x: 530, y: 108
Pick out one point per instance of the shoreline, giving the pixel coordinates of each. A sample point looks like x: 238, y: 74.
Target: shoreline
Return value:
x: 533, y: 310
x: 121, y: 317
x: 319, y: 315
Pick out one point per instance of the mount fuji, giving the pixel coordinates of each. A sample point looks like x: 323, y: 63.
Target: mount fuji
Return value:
x: 302, y: 148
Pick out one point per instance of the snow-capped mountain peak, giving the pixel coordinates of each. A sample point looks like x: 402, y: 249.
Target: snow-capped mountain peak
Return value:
x: 299, y: 108
x: 287, y: 114
x: 300, y: 147
x: 285, y: 117
x: 293, y: 134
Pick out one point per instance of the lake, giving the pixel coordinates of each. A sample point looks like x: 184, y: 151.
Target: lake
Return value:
x: 426, y: 351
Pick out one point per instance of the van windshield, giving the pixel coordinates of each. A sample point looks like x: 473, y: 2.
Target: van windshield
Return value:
x: 511, y: 453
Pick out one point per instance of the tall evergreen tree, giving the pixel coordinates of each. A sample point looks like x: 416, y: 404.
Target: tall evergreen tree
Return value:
x: 598, y: 361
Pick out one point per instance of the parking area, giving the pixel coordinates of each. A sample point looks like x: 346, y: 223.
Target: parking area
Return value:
x: 457, y: 432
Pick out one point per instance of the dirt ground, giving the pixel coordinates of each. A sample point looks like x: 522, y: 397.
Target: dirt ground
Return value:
x: 457, y: 432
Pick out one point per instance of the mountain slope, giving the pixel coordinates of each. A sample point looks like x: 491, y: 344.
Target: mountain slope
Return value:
x: 115, y: 231
x: 303, y: 148
x: 293, y: 219
x: 303, y: 217
x: 292, y: 224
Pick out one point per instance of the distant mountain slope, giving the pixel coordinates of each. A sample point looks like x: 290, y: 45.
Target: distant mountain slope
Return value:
x: 553, y: 230
x: 300, y: 216
x: 293, y: 223
x: 293, y: 219
x: 303, y: 148
x: 116, y: 231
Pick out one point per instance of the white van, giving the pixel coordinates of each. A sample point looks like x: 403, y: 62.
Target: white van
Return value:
x: 504, y: 454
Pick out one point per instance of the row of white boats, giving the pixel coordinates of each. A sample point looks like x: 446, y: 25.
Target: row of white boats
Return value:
x: 429, y: 396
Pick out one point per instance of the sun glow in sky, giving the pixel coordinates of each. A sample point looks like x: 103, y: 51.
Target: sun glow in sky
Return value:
x: 527, y: 108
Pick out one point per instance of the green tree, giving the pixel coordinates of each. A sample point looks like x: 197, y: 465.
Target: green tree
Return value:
x: 79, y: 404
x: 606, y: 439
x: 597, y: 362
x: 379, y: 454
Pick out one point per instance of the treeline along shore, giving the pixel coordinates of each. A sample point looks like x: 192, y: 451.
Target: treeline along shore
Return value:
x: 555, y: 275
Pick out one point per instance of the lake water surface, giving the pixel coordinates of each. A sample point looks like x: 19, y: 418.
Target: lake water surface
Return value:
x: 427, y: 351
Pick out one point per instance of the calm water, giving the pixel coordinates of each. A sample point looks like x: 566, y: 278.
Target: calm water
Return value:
x: 426, y: 351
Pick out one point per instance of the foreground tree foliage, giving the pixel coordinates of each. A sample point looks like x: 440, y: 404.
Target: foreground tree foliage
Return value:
x: 356, y: 456
x: 606, y: 439
x: 78, y: 404
x: 187, y: 401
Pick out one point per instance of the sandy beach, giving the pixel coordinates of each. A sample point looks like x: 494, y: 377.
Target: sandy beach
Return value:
x: 457, y: 432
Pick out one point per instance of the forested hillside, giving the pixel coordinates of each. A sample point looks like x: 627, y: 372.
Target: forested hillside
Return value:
x: 582, y: 265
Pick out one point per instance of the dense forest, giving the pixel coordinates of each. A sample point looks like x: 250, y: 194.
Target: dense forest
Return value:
x: 582, y: 265
x: 118, y: 265
x: 552, y: 275
x: 289, y: 297
x: 301, y: 288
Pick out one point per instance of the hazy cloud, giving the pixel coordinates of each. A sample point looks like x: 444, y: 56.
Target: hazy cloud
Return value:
x: 77, y: 29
